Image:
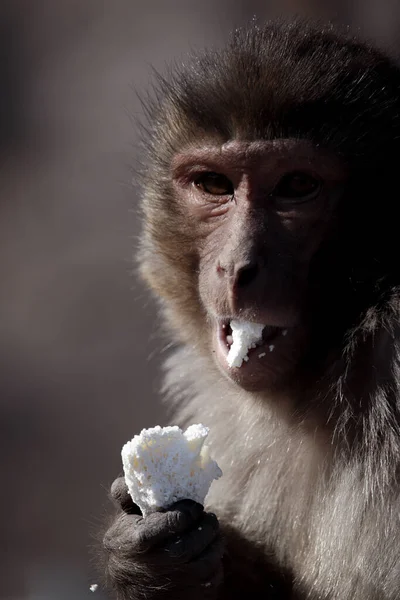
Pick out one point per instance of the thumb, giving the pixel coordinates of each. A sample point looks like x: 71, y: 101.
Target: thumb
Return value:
x: 122, y: 497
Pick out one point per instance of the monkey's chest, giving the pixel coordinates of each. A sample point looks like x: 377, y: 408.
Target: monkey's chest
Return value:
x: 272, y: 491
x: 316, y: 522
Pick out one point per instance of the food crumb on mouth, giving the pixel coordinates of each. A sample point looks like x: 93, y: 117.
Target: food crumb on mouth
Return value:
x: 245, y: 336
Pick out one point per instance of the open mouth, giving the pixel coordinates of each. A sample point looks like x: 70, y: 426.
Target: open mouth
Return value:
x: 241, y: 340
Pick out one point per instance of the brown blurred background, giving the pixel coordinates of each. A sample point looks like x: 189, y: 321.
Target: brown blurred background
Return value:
x: 78, y: 335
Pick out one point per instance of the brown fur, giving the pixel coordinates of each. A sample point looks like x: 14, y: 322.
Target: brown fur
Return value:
x: 310, y: 466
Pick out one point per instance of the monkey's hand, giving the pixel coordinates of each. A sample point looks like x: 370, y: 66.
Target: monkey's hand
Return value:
x: 172, y: 554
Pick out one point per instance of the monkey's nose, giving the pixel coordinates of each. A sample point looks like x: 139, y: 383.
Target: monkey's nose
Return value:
x: 245, y: 273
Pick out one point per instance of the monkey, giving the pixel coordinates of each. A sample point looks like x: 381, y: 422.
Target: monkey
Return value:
x: 269, y: 195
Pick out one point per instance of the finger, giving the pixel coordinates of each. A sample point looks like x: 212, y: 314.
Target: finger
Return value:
x: 192, y: 543
x: 183, y: 515
x: 158, y: 527
x: 118, y: 538
x: 121, y: 495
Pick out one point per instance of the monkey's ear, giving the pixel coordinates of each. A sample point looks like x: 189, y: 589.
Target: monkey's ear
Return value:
x: 122, y: 498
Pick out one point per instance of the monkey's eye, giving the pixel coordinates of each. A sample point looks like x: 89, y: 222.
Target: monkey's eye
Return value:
x: 215, y: 184
x: 297, y: 186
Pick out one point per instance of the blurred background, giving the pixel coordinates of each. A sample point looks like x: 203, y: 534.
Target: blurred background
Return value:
x: 79, y: 368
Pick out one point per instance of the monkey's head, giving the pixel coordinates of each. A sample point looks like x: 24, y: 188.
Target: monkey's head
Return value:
x: 267, y: 195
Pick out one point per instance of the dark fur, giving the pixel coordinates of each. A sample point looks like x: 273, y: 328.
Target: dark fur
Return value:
x: 310, y: 483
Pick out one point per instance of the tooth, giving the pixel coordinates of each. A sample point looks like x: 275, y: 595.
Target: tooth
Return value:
x: 284, y: 332
x: 229, y: 339
x: 271, y: 347
x: 261, y: 355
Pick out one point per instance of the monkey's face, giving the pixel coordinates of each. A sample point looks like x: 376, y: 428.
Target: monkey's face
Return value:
x: 251, y: 215
x: 258, y: 212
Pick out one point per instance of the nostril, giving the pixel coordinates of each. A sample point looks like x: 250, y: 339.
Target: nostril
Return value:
x: 246, y: 274
x: 220, y: 269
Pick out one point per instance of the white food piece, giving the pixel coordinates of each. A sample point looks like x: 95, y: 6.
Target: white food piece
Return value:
x: 245, y: 336
x: 164, y: 464
x: 94, y: 587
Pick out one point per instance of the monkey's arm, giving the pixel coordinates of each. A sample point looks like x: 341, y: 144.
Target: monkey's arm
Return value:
x: 170, y: 555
